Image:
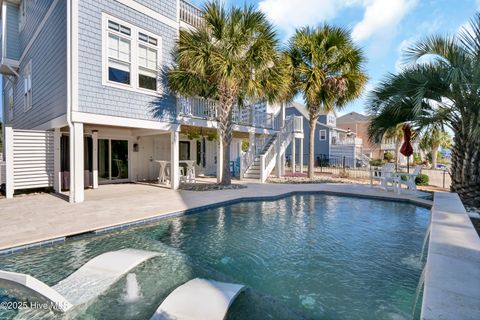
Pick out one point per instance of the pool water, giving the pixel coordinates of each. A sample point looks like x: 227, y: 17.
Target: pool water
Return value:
x: 301, y: 257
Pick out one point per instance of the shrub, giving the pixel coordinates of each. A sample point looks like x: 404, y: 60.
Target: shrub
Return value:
x: 422, y: 180
x: 388, y: 156
x: 377, y: 162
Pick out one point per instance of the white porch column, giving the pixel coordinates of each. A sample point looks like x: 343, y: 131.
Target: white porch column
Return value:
x: 219, y: 160
x: 294, y: 150
x: 9, y: 162
x: 240, y: 155
x: 301, y: 155
x: 283, y: 115
x: 278, y: 164
x: 95, y: 158
x: 251, y: 143
x: 57, y: 185
x: 174, y: 160
x: 77, y: 174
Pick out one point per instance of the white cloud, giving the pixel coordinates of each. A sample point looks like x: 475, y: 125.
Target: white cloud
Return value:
x: 289, y: 14
x: 381, y: 17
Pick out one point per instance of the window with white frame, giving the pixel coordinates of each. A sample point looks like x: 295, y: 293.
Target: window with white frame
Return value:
x: 119, y: 53
x: 27, y: 84
x: 10, y: 104
x: 323, y: 135
x: 147, y: 62
x: 132, y: 56
x: 21, y: 14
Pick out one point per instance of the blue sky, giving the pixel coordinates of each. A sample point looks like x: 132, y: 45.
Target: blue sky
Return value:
x: 381, y: 27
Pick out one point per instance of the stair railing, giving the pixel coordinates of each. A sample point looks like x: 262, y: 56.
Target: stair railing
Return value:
x: 269, y: 155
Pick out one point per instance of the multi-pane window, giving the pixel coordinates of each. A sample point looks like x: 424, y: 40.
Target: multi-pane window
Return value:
x: 119, y: 53
x: 323, y: 135
x: 27, y: 84
x: 132, y: 56
x: 10, y: 104
x: 147, y: 62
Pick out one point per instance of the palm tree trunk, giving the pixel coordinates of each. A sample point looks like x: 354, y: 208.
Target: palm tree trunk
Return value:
x: 225, y: 131
x: 465, y: 170
x: 434, y: 154
x: 311, y: 146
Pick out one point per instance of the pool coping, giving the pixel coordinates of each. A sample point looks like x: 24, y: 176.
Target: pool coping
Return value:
x: 452, y: 271
x: 178, y: 213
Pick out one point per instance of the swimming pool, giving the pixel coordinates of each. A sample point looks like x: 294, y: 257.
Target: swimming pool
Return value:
x: 307, y: 256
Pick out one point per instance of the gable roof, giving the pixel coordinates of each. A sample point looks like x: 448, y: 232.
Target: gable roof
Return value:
x: 353, y: 117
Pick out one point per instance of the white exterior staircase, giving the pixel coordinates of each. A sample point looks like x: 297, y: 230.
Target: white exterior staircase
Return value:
x: 260, y: 165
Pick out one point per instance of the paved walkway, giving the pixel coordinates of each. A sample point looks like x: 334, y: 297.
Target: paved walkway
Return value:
x: 34, y: 218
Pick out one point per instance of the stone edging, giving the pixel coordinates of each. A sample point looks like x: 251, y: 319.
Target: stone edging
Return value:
x: 452, y: 271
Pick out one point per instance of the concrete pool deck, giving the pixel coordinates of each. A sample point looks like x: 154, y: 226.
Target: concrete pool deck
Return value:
x: 34, y: 220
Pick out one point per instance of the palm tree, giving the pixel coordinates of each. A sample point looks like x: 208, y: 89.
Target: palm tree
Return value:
x: 232, y: 57
x: 432, y: 141
x: 442, y: 92
x: 326, y: 67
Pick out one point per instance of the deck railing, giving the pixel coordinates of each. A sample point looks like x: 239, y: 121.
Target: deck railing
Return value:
x: 190, y: 14
x: 196, y: 107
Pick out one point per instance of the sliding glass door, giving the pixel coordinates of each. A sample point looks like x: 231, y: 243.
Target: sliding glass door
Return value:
x: 112, y: 159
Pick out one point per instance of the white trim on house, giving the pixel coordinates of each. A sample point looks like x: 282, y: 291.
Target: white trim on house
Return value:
x: 99, y: 119
x: 4, y: 30
x: 27, y: 87
x: 39, y: 28
x: 322, y: 133
x: 58, y: 122
x: 150, y: 13
x: 134, y: 55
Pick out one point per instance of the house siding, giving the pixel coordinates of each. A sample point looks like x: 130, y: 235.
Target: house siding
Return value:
x: 321, y: 147
x: 13, y: 43
x: 35, y: 11
x: 93, y: 96
x: 48, y: 54
x: 167, y: 8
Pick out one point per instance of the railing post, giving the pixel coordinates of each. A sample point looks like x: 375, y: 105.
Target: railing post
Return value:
x: 262, y: 168
x: 9, y: 162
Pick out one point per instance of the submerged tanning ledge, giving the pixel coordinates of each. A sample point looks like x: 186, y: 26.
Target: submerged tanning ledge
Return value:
x: 82, y: 286
x: 198, y: 299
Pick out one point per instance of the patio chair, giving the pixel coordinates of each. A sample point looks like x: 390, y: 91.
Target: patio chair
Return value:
x: 384, y: 175
x: 407, y: 179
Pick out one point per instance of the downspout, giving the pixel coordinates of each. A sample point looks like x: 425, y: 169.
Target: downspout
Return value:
x: 69, y: 96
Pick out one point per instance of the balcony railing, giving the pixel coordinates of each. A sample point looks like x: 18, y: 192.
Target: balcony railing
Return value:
x: 347, y: 141
x: 206, y: 109
x: 190, y: 14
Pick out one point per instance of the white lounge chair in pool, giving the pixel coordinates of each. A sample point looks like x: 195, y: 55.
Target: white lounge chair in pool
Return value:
x: 384, y: 175
x: 409, y: 181
x: 91, y: 280
x: 198, y: 299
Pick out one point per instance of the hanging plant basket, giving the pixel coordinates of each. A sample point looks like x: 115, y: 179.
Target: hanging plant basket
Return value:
x: 212, y: 136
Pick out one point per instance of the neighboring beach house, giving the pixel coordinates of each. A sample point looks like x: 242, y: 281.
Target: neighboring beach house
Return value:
x: 332, y: 144
x: 85, y: 101
x: 359, y: 123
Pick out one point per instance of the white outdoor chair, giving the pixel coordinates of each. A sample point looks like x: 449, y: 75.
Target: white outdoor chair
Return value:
x: 408, y: 181
x: 384, y: 175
